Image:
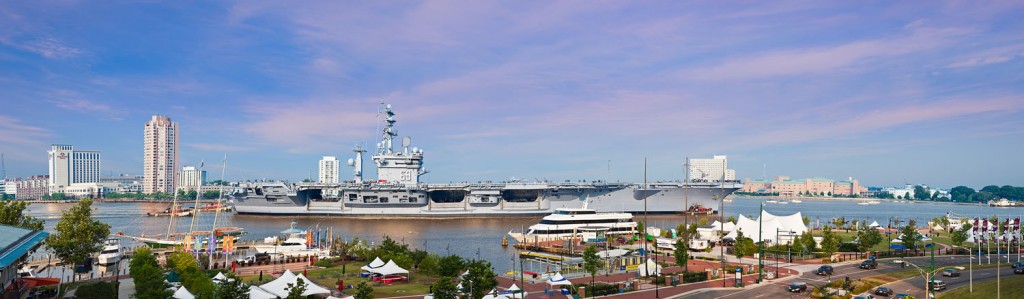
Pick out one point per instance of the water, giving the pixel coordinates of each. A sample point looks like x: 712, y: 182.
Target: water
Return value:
x: 481, y: 237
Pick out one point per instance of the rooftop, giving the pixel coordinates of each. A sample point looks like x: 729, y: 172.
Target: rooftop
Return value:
x: 16, y: 242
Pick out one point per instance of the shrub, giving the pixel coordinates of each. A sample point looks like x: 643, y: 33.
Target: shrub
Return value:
x: 98, y: 290
x: 601, y: 289
x: 848, y: 247
x: 689, y: 277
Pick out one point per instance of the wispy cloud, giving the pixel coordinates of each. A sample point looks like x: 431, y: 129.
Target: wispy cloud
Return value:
x: 990, y: 56
x: 21, y: 141
x: 213, y: 147
x: 75, y: 101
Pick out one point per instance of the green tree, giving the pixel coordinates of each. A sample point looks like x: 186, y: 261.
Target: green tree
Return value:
x: 78, y: 235
x: 12, y: 213
x: 807, y: 220
x: 682, y: 255
x: 796, y: 245
x: 212, y: 194
x: 958, y: 237
x: 295, y: 290
x: 232, y: 289
x: 910, y: 236
x: 445, y: 288
x: 149, y: 279
x: 868, y: 237
x: 429, y: 265
x: 450, y: 266
x: 96, y: 290
x: 591, y: 262
x: 920, y: 192
x: 830, y: 240
x: 808, y: 239
x: 363, y: 291
x: 482, y: 277
x: 744, y: 246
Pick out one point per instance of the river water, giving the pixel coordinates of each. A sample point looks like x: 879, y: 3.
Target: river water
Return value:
x: 481, y: 237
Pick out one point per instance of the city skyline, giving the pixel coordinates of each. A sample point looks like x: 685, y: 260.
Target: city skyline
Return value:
x: 925, y: 93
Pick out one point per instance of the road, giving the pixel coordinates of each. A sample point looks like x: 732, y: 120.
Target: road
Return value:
x: 913, y: 286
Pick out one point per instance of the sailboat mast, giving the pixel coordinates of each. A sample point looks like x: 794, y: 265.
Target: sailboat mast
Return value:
x: 219, y: 205
x: 195, y: 208
x: 170, y: 221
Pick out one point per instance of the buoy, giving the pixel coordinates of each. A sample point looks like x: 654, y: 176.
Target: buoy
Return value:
x: 504, y: 241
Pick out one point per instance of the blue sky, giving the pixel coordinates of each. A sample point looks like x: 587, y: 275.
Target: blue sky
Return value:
x: 888, y: 92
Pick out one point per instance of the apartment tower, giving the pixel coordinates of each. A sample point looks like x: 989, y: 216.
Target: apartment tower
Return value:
x: 160, y: 160
x: 329, y: 170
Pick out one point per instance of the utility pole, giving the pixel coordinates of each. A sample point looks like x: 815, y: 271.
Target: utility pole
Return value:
x: 686, y: 216
x: 760, y: 243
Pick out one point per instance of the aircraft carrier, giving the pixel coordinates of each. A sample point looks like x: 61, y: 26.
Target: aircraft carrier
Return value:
x: 397, y: 192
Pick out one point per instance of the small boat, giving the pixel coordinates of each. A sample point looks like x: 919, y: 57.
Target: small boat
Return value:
x: 771, y: 201
x: 783, y: 202
x: 229, y: 231
x: 175, y: 210
x: 295, y: 244
x: 215, y: 207
x: 111, y: 252
x: 863, y: 203
x: 796, y: 201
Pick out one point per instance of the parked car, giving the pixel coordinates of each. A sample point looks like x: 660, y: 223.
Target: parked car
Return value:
x: 797, y: 287
x: 903, y: 296
x: 1018, y: 270
x: 825, y: 270
x: 869, y: 264
x: 937, y: 285
x: 883, y: 291
x: 864, y: 296
x: 256, y: 258
x: 728, y: 242
x: 951, y: 273
x: 1017, y: 265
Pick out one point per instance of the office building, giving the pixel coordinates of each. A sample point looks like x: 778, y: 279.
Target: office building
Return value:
x: 329, y: 170
x: 160, y: 160
x: 68, y: 166
x: 191, y: 178
x: 711, y: 170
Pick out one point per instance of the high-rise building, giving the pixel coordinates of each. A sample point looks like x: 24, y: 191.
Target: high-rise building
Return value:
x: 160, y: 160
x: 68, y: 166
x: 191, y: 178
x: 329, y: 170
x: 713, y: 169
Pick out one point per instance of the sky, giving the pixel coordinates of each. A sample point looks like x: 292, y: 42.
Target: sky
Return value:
x: 887, y: 92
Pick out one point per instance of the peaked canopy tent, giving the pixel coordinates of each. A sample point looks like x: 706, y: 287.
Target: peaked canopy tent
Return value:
x: 874, y: 224
x: 649, y: 269
x: 772, y: 228
x: 279, y: 287
x: 256, y: 292
x: 390, y: 268
x: 558, y: 280
x: 182, y: 293
x: 376, y: 263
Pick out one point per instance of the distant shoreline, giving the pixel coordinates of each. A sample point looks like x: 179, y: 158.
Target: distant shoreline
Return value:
x: 857, y: 199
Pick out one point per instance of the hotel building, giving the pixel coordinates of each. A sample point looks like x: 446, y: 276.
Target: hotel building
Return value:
x: 713, y: 169
x: 160, y: 160
x: 68, y: 166
x: 191, y: 178
x: 329, y: 170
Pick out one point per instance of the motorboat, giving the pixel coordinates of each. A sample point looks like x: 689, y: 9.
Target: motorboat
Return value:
x: 574, y: 222
x: 796, y: 201
x: 294, y: 244
x: 111, y: 252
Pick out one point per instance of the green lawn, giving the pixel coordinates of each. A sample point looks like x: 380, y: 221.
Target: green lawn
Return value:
x: 1011, y: 288
x: 328, y: 278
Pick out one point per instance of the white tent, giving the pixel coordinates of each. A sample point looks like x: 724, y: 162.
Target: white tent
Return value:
x: 220, y: 278
x: 345, y: 297
x: 376, y: 263
x: 874, y: 224
x: 182, y: 293
x: 279, y: 287
x: 256, y: 292
x: 558, y: 279
x: 611, y: 253
x: 311, y: 287
x: 651, y: 267
x: 389, y: 269
x: 771, y: 227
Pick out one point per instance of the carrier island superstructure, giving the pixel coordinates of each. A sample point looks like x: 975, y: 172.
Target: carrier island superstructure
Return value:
x: 398, y: 192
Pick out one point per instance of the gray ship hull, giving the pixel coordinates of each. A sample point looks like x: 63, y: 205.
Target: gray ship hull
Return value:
x: 479, y: 200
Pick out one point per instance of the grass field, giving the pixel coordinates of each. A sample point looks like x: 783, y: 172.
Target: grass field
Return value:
x: 328, y: 278
x: 1012, y: 287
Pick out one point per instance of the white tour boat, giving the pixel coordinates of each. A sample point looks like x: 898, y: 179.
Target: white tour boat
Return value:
x: 571, y: 222
x: 111, y: 252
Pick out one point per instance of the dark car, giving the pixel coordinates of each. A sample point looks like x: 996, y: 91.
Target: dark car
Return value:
x: 902, y: 296
x: 1017, y: 265
x: 1018, y: 270
x: 797, y: 287
x: 869, y: 264
x: 951, y: 273
x: 825, y: 270
x: 883, y: 291
x: 728, y: 242
x: 864, y: 296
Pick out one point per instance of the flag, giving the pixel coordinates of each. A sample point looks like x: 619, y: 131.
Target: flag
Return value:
x: 261, y: 275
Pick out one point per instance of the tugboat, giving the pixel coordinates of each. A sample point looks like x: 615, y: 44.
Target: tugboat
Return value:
x: 175, y: 211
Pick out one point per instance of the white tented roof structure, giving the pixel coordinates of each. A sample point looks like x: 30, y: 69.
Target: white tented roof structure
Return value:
x: 874, y: 224
x: 771, y: 226
x: 256, y: 292
x: 558, y: 279
x: 651, y: 266
x: 182, y: 293
x: 389, y: 268
x: 376, y: 263
x: 279, y: 287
